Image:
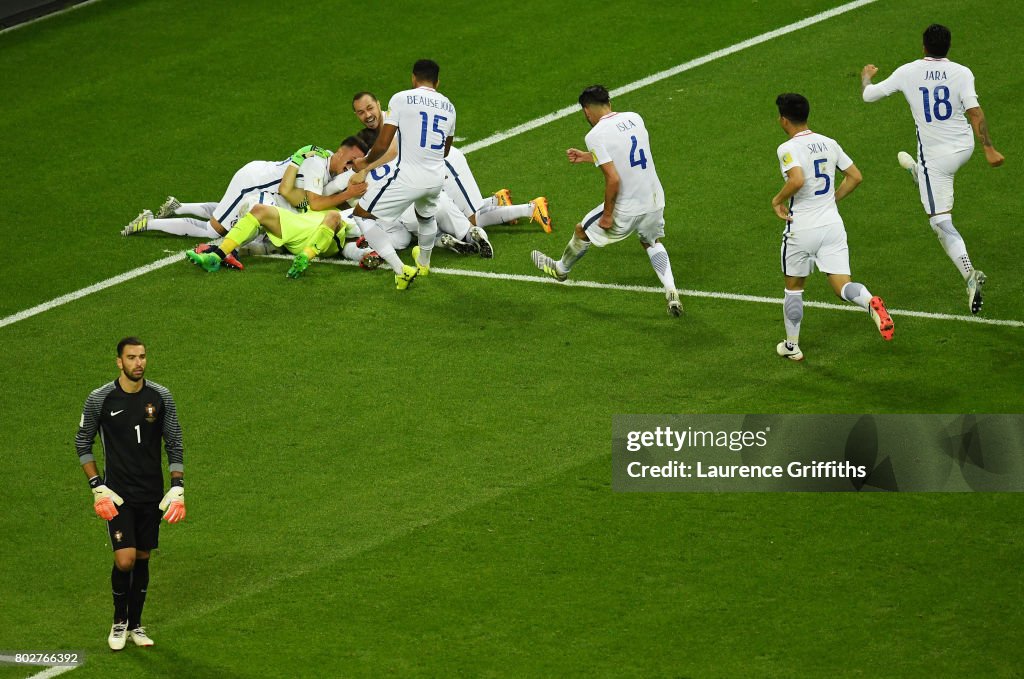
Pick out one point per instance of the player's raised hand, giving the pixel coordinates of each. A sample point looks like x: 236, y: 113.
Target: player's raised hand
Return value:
x: 867, y: 73
x: 577, y: 156
x: 309, y: 151
x: 357, y: 189
x: 173, y: 504
x: 994, y: 158
x: 105, y: 501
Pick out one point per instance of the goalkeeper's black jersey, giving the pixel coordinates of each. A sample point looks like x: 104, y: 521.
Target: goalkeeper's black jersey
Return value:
x: 130, y: 428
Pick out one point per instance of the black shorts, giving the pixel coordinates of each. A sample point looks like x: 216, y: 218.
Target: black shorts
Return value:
x: 135, y: 526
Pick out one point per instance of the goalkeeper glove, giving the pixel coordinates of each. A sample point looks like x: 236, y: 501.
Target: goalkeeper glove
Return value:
x: 104, y: 499
x: 173, y: 504
x: 309, y: 151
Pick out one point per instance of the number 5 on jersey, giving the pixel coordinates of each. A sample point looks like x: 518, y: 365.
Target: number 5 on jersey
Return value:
x: 818, y: 173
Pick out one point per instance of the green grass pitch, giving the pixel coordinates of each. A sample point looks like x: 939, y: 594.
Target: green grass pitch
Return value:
x: 384, y: 484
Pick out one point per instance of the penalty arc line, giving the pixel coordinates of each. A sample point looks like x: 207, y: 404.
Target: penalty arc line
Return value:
x: 735, y: 297
x: 488, y: 141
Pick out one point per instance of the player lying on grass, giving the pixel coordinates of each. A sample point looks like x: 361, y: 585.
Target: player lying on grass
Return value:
x: 634, y: 201
x: 322, y: 185
x: 217, y: 218
x: 347, y: 247
x: 815, y: 234
x: 459, y: 182
x: 308, y: 235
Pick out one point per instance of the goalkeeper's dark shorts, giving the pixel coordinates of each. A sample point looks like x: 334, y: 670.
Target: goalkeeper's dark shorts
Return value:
x: 135, y: 526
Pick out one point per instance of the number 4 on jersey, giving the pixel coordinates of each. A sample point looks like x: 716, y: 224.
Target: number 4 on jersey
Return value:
x: 637, y: 159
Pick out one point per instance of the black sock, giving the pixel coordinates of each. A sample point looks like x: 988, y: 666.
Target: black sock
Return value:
x: 217, y: 251
x: 140, y: 583
x: 120, y: 585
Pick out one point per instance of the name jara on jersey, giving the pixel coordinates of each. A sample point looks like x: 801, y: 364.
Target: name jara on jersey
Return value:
x: 935, y: 75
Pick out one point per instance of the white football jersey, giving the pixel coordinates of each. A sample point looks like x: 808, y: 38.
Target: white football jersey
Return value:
x: 818, y: 156
x: 374, y: 180
x: 621, y: 138
x: 425, y: 119
x: 938, y: 91
x: 314, y: 175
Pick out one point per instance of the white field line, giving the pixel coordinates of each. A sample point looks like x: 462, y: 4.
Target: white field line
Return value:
x: 7, y: 660
x: 53, y: 671
x: 49, y: 15
x: 688, y: 293
x: 483, y: 143
x: 668, y: 73
x: 78, y: 294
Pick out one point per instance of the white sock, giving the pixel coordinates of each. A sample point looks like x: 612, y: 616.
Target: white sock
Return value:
x: 488, y: 216
x: 353, y: 253
x: 856, y: 293
x: 952, y: 243
x: 204, y: 210
x: 573, y: 253
x: 662, y: 266
x: 793, y: 313
x: 183, y: 226
x: 380, y: 242
x: 427, y: 235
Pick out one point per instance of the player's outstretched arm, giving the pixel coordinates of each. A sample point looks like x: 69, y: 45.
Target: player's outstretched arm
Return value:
x: 980, y: 125
x: 794, y: 182
x: 382, y: 145
x: 851, y: 180
x: 871, y: 92
x: 352, y: 191
x: 577, y: 156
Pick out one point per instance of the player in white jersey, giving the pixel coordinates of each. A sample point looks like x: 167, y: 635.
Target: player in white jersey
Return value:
x: 814, y: 233
x: 327, y: 184
x: 459, y: 181
x: 217, y: 218
x: 424, y: 121
x: 945, y: 107
x: 633, y: 198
